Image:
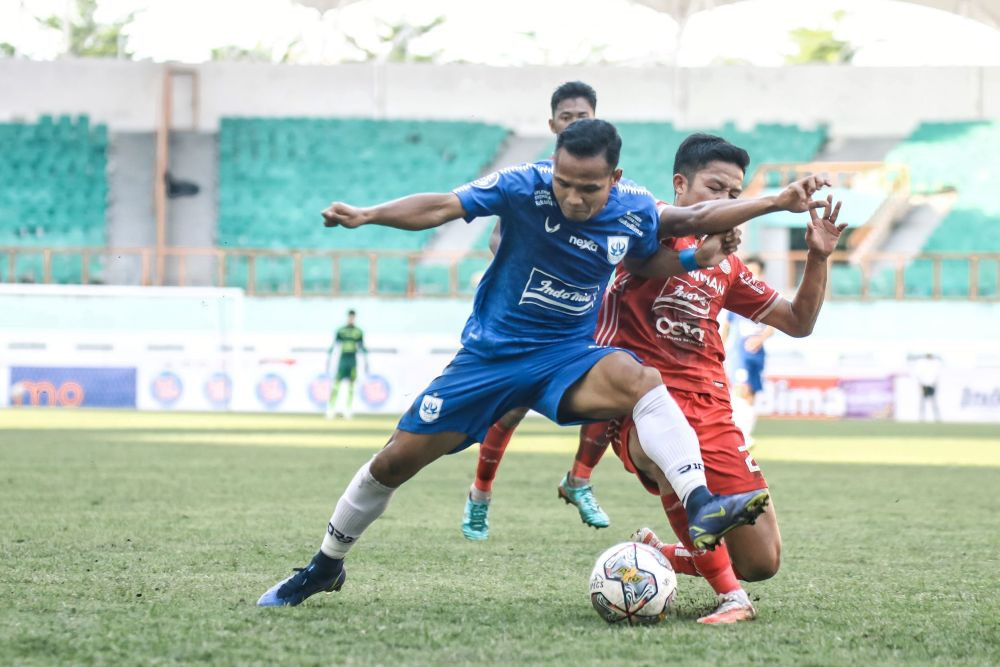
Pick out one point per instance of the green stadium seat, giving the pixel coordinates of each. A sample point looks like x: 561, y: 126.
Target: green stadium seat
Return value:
x: 53, y: 179
x: 277, y: 174
x: 962, y: 157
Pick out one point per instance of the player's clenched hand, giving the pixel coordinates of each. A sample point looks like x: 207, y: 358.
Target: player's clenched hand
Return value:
x: 823, y: 232
x: 339, y: 214
x: 716, y: 247
x: 797, y: 197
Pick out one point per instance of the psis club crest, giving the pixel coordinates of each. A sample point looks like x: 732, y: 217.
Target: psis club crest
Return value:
x: 617, y: 247
x: 430, y: 408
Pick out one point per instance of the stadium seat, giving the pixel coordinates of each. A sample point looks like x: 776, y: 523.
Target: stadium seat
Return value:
x: 958, y: 157
x: 277, y: 174
x: 53, y: 191
x: 648, y: 151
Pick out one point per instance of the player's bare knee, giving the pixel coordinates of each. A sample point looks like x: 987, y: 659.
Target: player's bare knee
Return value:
x: 762, y: 565
x: 644, y: 380
x: 388, y: 469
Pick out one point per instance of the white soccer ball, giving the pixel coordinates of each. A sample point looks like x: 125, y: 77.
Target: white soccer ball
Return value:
x: 634, y: 583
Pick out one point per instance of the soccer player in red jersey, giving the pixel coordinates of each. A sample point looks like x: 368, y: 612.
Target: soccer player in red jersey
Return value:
x: 673, y: 325
x: 570, y: 102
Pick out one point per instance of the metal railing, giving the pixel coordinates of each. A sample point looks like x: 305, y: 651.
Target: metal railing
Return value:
x: 884, y: 275
x: 224, y: 267
x: 879, y: 275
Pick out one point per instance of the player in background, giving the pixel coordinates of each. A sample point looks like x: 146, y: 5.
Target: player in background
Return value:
x: 351, y: 340
x: 748, y: 357
x: 927, y: 372
x: 570, y: 102
x: 529, y: 340
x: 672, y: 324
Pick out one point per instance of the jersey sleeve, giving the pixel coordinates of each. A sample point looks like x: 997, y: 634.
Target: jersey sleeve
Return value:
x: 748, y: 296
x: 494, y: 193
x: 648, y: 244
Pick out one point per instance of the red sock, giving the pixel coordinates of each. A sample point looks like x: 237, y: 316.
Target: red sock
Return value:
x: 490, y: 453
x: 593, y: 444
x: 715, y: 566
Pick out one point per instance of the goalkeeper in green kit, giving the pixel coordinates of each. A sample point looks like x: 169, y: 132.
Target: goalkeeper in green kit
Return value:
x: 351, y: 341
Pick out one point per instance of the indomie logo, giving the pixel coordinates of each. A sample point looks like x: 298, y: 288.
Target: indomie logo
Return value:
x: 28, y: 392
x: 548, y: 291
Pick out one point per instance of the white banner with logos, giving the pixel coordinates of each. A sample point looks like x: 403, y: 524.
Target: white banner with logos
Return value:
x: 288, y: 373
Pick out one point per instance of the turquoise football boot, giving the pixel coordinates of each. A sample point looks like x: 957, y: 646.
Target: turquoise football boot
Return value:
x: 475, y: 521
x: 583, y: 497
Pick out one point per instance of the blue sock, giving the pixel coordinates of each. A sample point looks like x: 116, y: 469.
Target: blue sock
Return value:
x: 696, y: 499
x: 324, y: 566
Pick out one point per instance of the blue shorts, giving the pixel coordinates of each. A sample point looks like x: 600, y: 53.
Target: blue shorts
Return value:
x: 753, y: 366
x: 474, y: 391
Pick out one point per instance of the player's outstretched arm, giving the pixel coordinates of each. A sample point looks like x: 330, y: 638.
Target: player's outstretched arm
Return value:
x: 412, y: 213
x: 712, y: 217
x: 666, y: 263
x: 798, y: 316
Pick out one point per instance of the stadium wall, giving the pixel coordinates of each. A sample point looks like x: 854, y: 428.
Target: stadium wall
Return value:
x: 855, y: 101
x: 197, y: 351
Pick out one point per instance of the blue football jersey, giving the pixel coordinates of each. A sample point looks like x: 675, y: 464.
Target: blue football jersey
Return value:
x: 548, y: 277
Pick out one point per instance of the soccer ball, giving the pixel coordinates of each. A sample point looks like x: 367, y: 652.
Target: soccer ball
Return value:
x: 632, y: 582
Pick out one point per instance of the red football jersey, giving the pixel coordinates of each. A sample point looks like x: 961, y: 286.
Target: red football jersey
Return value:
x: 673, y: 324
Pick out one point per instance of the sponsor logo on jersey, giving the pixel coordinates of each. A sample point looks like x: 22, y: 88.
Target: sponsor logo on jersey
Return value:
x: 617, y: 247
x: 551, y: 228
x: 633, y: 222
x: 583, y: 244
x: 681, y: 332
x: 725, y: 266
x: 430, y: 408
x: 547, y: 291
x: 751, y: 282
x: 680, y: 294
x: 487, y: 181
x: 543, y: 198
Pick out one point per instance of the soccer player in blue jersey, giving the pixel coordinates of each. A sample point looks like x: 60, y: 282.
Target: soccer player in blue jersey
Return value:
x: 570, y: 102
x: 529, y: 340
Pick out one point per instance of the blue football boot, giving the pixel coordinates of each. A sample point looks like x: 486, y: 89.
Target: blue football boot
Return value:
x: 475, y: 520
x: 721, y: 514
x: 583, y: 497
x: 305, y: 582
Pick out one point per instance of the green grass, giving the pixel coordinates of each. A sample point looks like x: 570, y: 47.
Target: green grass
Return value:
x: 126, y: 539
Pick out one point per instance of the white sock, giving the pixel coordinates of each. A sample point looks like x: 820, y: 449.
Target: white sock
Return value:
x: 668, y: 439
x: 364, y: 501
x: 743, y: 416
x: 480, y: 496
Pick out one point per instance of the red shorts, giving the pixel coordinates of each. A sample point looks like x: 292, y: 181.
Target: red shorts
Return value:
x: 729, y: 467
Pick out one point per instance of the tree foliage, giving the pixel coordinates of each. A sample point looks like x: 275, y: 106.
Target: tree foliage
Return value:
x: 396, y: 42
x: 86, y: 38
x: 820, y: 45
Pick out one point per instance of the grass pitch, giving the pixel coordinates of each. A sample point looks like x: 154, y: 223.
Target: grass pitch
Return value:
x: 147, y: 538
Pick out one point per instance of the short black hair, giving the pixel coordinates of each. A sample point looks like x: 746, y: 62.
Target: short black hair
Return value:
x: 571, y: 90
x: 351, y: 312
x: 699, y: 149
x: 590, y: 137
x: 755, y: 259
